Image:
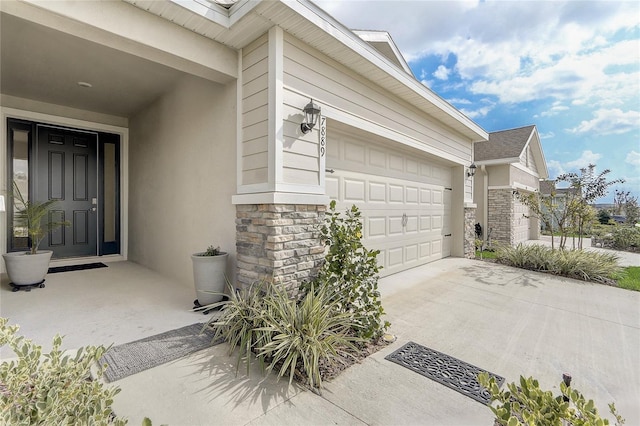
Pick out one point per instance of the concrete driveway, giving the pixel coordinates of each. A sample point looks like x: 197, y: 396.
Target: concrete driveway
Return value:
x: 504, y: 320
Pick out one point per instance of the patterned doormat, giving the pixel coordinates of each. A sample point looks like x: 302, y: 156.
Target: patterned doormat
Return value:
x: 444, y: 369
x: 134, y: 357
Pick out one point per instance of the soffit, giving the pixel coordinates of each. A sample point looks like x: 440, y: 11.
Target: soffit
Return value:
x: 247, y: 20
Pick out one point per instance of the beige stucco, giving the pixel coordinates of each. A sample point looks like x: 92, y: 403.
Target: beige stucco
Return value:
x: 182, y: 167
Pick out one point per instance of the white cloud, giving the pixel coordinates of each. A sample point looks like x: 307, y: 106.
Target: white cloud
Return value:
x: 587, y: 157
x: 555, y: 169
x: 633, y: 158
x: 608, y: 122
x: 480, y: 112
x: 442, y: 73
x: 548, y: 135
x: 556, y: 109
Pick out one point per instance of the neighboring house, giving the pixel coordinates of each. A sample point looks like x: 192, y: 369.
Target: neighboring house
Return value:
x: 166, y: 126
x: 558, y: 201
x: 511, y: 160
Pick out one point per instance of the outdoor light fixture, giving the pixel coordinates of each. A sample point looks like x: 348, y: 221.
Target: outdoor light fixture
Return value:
x: 471, y: 171
x: 311, y: 114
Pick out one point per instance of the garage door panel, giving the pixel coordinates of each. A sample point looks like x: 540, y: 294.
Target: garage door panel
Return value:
x: 395, y: 257
x: 411, y: 226
x: 411, y: 195
x: 396, y: 163
x: 354, y: 190
x: 332, y: 185
x: 437, y: 197
x: 377, y: 192
x: 395, y: 225
x: 436, y: 247
x: 425, y: 223
x: 377, y: 227
x: 377, y: 158
x: 411, y: 253
x: 425, y: 196
x: 436, y: 222
x: 355, y: 153
x: 396, y: 194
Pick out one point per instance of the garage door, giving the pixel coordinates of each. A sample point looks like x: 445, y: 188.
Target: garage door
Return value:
x: 521, y: 222
x: 405, y: 200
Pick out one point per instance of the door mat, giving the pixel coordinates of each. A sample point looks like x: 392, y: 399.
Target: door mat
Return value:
x: 134, y: 357
x: 69, y: 268
x: 444, y: 369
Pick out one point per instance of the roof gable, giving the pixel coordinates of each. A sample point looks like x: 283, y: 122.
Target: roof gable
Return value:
x: 506, y: 147
x: 383, y: 43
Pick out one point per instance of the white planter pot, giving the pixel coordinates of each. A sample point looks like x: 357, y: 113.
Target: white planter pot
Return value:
x: 27, y: 269
x: 209, y: 277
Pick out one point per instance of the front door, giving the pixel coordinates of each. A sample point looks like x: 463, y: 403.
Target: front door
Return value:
x: 66, y: 171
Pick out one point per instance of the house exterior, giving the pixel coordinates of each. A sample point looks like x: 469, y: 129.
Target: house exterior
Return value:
x: 166, y: 126
x: 510, y: 160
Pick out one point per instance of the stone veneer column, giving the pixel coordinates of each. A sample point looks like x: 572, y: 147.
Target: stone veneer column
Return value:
x: 279, y: 243
x: 501, y: 215
x: 470, y: 232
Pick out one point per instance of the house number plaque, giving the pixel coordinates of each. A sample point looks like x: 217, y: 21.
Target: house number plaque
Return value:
x: 323, y: 135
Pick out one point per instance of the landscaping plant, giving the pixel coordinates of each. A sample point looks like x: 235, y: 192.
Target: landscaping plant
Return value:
x: 579, y: 264
x: 241, y: 320
x: 527, y: 404
x: 305, y: 333
x: 52, y: 388
x: 351, y: 271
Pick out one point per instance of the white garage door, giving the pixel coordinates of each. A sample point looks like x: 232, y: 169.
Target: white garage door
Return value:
x: 405, y: 200
x: 521, y: 223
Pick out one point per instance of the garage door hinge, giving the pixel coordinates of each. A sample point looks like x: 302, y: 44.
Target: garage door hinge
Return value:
x: 447, y: 235
x: 329, y: 170
x: 449, y: 189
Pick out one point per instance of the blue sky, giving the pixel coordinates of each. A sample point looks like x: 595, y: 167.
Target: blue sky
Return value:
x: 572, y: 68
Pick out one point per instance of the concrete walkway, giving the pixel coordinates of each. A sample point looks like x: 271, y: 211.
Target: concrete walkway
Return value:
x: 505, y: 320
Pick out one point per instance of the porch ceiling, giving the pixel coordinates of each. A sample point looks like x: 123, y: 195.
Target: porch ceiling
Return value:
x: 43, y: 64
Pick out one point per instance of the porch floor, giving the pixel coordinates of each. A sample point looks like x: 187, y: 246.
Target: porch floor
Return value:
x: 113, y: 305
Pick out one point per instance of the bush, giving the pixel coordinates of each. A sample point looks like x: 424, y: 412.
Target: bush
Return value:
x: 52, y: 389
x: 578, y: 264
x: 626, y: 237
x: 284, y: 334
x: 304, y: 334
x: 351, y: 271
x: 528, y: 404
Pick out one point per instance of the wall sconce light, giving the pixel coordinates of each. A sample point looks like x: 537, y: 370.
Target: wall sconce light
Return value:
x: 471, y: 171
x: 311, y: 114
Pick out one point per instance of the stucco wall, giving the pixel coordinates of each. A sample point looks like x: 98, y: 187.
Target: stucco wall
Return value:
x: 182, y: 177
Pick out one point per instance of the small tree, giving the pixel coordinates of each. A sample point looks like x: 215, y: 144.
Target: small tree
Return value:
x: 603, y: 216
x: 631, y: 210
x: 587, y: 188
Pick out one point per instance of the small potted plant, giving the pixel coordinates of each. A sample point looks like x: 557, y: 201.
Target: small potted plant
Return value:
x: 28, y: 269
x: 209, y: 275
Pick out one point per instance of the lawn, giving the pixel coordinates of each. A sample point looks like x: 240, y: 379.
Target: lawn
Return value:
x: 631, y: 281
x: 485, y: 254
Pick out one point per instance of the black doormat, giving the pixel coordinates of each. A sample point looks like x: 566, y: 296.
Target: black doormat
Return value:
x: 444, y: 369
x: 134, y: 357
x: 69, y: 268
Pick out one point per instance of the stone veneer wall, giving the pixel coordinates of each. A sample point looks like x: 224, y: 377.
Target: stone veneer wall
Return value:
x: 470, y: 232
x: 278, y: 242
x: 501, y: 215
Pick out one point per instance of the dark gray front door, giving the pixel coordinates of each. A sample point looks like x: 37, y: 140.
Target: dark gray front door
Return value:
x: 66, y: 171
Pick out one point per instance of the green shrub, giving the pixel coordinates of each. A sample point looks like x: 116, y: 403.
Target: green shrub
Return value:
x: 240, y: 320
x: 282, y: 333
x: 579, y: 264
x: 54, y: 388
x: 626, y: 237
x: 351, y: 270
x: 304, y: 334
x: 530, y: 405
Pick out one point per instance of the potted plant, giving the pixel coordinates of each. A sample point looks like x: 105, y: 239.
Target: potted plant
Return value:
x: 28, y: 269
x: 209, y: 275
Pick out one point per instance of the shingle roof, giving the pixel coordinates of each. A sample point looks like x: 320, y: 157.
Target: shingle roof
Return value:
x: 503, y: 144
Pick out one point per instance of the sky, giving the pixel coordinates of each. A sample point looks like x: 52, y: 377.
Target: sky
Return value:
x: 572, y: 68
